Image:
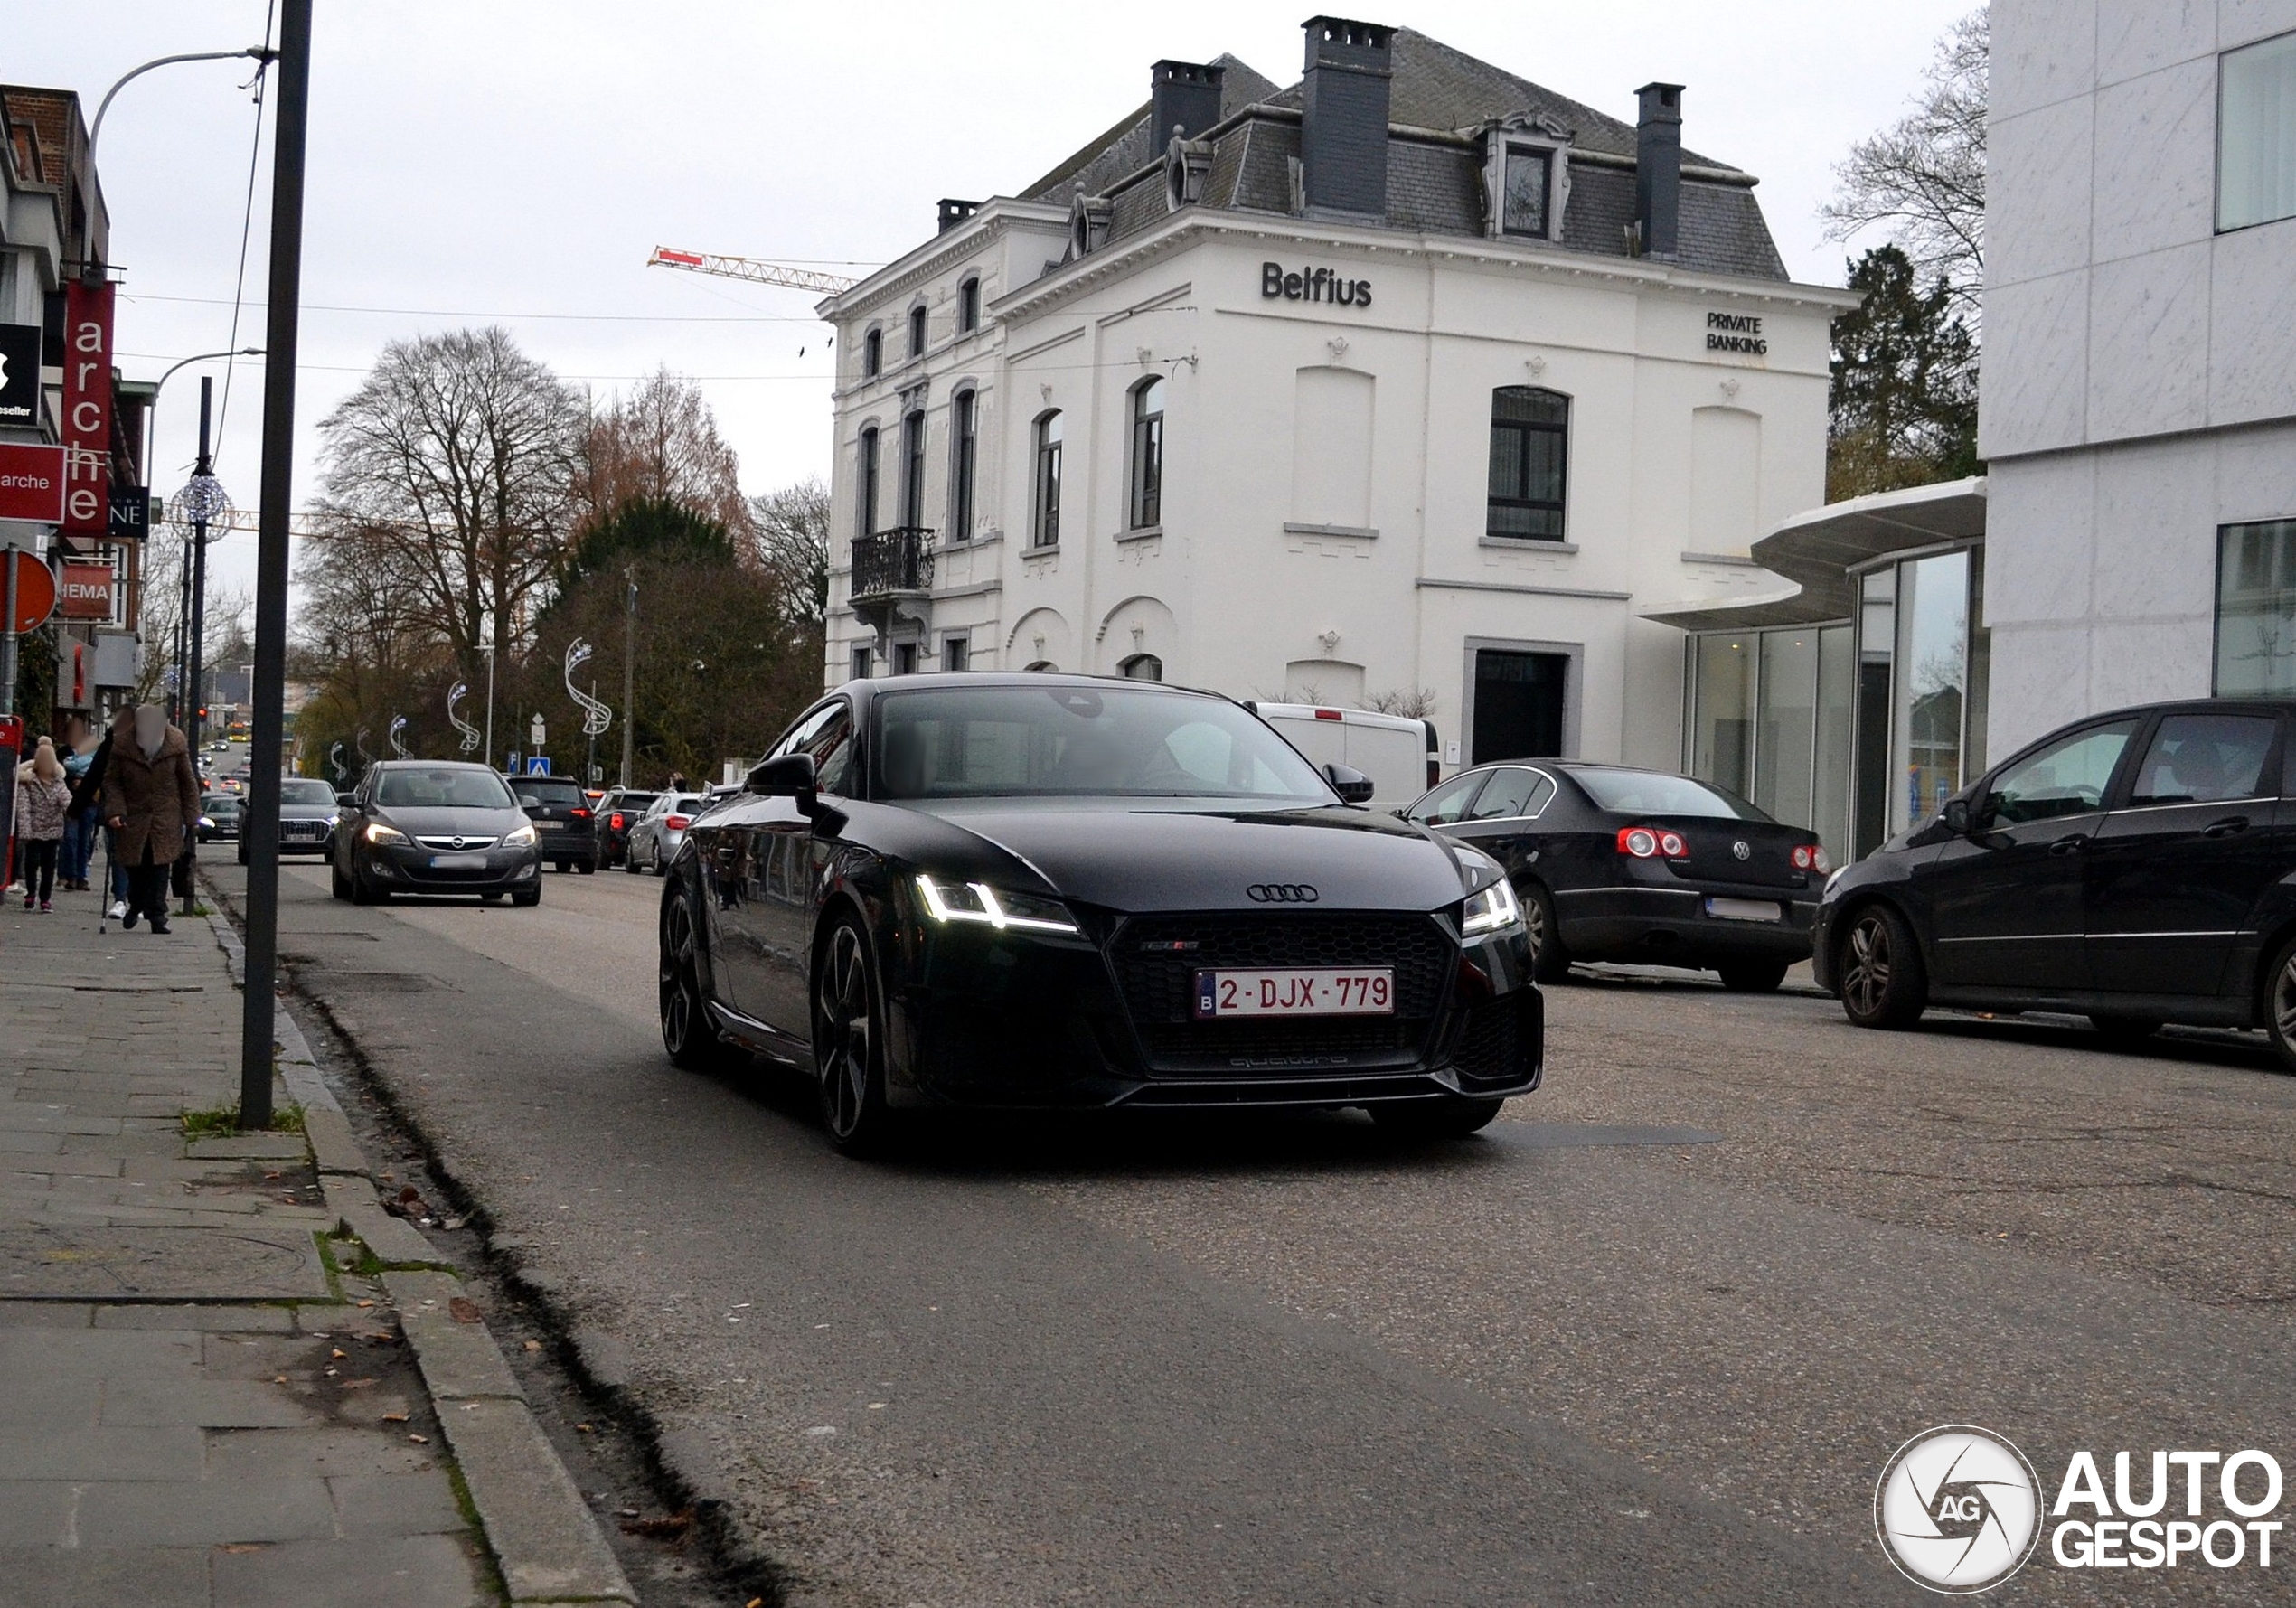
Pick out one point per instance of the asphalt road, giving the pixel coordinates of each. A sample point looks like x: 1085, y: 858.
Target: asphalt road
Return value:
x: 1651, y: 1338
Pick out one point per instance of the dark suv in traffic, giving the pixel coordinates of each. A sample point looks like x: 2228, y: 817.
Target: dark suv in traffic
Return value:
x: 2133, y: 868
x: 617, y: 811
x: 560, y: 812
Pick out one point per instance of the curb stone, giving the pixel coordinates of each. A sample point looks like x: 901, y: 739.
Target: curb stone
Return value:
x: 541, y: 1533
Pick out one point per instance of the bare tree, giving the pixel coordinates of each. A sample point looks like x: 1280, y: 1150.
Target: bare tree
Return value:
x: 792, y: 544
x: 1414, y: 703
x: 661, y: 442
x: 1921, y: 180
x: 452, y: 469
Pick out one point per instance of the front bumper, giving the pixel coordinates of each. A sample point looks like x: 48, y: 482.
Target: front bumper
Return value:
x: 1002, y: 1020
x: 1672, y: 927
x: 411, y: 870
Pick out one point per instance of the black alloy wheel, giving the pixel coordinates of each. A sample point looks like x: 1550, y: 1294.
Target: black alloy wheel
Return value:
x: 1454, y: 1116
x: 692, y: 1043
x: 630, y: 859
x: 848, y: 1048
x: 1752, y: 976
x: 1550, y: 961
x: 565, y: 866
x: 2279, y: 1005
x: 1883, y: 983
x: 588, y: 868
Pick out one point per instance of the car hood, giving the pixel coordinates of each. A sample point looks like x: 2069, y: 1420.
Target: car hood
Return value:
x: 1133, y: 855
x: 307, y: 812
x: 451, y: 822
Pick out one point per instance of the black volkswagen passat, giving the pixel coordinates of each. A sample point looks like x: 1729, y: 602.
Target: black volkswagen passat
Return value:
x: 1054, y: 891
x: 2134, y: 868
x: 434, y: 826
x: 1619, y: 864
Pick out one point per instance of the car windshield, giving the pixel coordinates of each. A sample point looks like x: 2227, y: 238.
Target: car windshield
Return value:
x: 457, y: 788
x: 306, y: 792
x: 1655, y: 793
x: 551, y: 792
x: 223, y: 803
x: 1073, y: 741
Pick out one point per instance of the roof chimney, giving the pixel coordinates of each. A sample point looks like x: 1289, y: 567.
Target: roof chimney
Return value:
x: 954, y: 212
x: 1184, y: 95
x: 1344, y: 127
x: 1657, y: 170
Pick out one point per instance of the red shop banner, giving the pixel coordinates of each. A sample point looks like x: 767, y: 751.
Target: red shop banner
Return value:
x: 87, y: 362
x: 84, y: 592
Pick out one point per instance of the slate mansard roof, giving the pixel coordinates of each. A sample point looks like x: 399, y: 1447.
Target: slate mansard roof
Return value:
x: 1441, y: 98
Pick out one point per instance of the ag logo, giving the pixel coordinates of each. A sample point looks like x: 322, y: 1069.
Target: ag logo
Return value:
x: 1281, y: 893
x: 1958, y: 1509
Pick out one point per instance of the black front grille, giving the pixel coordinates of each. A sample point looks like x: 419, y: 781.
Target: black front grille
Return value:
x: 1157, y: 957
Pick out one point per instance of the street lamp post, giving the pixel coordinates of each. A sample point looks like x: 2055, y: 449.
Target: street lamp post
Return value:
x: 488, y: 649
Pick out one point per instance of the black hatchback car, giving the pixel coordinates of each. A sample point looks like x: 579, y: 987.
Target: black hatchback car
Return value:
x: 1619, y: 864
x: 990, y: 891
x: 2133, y: 868
x: 560, y: 812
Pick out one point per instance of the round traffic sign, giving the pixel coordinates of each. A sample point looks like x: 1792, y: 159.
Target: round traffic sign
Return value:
x: 35, y: 590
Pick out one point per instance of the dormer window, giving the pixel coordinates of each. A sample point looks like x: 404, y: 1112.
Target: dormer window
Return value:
x: 1526, y: 178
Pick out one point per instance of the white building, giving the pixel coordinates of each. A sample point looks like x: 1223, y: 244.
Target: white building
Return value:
x: 2134, y: 538
x: 1413, y: 377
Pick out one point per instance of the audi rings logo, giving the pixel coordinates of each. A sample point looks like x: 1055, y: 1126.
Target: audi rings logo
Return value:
x: 1281, y: 893
x: 1958, y: 1509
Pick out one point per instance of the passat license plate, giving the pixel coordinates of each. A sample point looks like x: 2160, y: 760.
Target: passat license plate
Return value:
x: 1298, y: 991
x: 1743, y: 910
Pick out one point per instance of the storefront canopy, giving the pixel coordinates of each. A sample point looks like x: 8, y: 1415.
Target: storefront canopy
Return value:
x: 1818, y: 549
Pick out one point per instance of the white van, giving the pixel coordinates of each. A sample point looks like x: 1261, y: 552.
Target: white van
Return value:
x: 1398, y: 753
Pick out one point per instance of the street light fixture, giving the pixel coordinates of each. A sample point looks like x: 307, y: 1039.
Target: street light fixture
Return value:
x: 262, y: 54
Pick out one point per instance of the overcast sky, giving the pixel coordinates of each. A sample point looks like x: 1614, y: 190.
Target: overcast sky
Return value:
x: 515, y: 162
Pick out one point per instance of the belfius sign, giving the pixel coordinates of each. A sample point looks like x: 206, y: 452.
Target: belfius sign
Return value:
x: 32, y: 482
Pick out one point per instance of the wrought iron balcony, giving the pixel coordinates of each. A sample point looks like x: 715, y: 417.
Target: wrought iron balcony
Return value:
x: 886, y: 562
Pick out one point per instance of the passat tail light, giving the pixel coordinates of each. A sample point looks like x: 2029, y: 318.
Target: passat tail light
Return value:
x: 579, y: 814
x: 1811, y: 857
x: 1652, y: 842
x: 676, y: 822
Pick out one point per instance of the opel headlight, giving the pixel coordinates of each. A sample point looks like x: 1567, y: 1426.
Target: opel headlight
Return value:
x: 518, y: 837
x: 1493, y: 910
x: 954, y: 902
x: 377, y: 832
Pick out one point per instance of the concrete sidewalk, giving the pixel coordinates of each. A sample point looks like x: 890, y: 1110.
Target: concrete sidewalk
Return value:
x: 203, y: 1401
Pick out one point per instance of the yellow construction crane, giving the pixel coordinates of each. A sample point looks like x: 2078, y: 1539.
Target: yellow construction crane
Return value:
x: 752, y: 269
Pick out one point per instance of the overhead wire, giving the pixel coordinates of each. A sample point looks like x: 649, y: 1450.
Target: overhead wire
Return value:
x: 246, y: 220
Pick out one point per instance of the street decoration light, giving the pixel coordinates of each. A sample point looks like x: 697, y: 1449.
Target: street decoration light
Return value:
x: 334, y: 758
x: 596, y: 716
x: 470, y: 737
x: 397, y: 725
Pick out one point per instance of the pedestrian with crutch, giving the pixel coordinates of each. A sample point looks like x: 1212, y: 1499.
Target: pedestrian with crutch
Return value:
x: 151, y: 801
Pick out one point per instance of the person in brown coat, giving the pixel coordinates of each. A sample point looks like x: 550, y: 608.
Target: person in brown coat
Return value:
x: 151, y: 800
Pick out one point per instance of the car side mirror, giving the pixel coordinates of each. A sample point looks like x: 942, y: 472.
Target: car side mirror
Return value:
x: 1352, y: 785
x: 1957, y: 817
x: 344, y: 800
x: 787, y: 776
x: 530, y: 809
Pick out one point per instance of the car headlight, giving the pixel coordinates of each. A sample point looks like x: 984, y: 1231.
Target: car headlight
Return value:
x: 1493, y: 910
x: 207, y: 822
x: 950, y: 902
x: 333, y: 822
x: 518, y: 837
x: 377, y: 832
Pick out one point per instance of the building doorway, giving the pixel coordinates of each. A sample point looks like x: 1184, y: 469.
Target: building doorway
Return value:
x: 1521, y: 702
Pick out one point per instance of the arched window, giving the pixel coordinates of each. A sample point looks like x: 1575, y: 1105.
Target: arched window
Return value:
x: 968, y: 306
x: 865, y: 483
x: 1044, y: 524
x: 872, y: 355
x: 964, y: 429
x: 1147, y: 455
x: 913, y: 468
x: 917, y: 329
x: 1142, y: 667
x: 1530, y: 449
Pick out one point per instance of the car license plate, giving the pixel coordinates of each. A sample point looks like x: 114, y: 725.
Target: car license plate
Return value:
x: 1743, y: 910
x: 1301, y: 991
x: 458, y: 862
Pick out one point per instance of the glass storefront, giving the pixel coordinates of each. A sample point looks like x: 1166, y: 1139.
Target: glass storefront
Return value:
x: 1857, y: 729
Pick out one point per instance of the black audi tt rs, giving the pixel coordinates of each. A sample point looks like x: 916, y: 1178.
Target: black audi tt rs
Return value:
x: 1059, y: 892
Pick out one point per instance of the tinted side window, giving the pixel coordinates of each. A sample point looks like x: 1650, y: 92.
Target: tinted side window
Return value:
x: 832, y: 746
x: 1508, y: 796
x: 1447, y: 803
x: 2068, y: 778
x: 801, y: 736
x: 2205, y: 759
